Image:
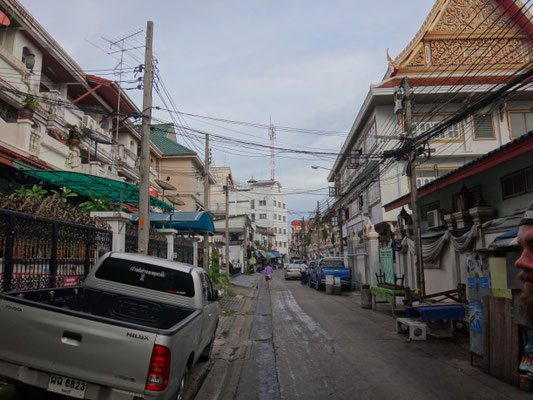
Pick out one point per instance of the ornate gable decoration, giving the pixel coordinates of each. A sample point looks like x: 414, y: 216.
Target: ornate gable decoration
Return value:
x: 466, y: 35
x: 473, y: 15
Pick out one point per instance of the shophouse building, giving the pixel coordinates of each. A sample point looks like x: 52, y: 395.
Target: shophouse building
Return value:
x: 462, y: 50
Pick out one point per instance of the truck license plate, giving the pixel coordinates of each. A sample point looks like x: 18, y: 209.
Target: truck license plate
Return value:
x: 67, y: 386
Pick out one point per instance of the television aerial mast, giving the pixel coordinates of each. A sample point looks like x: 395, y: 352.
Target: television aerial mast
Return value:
x: 272, y: 136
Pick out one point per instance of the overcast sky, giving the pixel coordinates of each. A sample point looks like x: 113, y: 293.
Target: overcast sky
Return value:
x: 304, y: 64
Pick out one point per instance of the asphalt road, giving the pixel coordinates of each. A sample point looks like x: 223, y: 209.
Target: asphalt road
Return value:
x: 326, y: 346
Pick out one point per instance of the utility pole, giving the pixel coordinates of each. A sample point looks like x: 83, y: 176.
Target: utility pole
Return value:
x: 304, y: 250
x: 339, y: 224
x: 411, y: 170
x: 227, y: 225
x: 206, y: 199
x: 144, y: 186
x: 317, y: 230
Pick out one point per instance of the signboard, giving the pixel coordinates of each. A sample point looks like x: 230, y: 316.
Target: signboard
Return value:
x: 69, y: 281
x: 475, y: 316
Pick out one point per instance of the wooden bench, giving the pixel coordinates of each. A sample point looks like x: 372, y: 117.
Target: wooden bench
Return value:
x: 388, y: 295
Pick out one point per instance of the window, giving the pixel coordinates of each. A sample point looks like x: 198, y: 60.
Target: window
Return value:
x: 274, y: 216
x: 148, y: 276
x: 353, y: 207
x: 284, y: 218
x: 262, y: 202
x: 426, y: 176
x: 252, y: 204
x: 371, y: 138
x: 262, y: 216
x: 517, y: 183
x: 284, y: 244
x: 423, y: 125
x: 253, y: 217
x: 285, y: 231
x: 521, y: 123
x: 275, y: 203
x: 483, y: 128
x: 373, y: 192
x: 283, y: 205
x: 275, y: 230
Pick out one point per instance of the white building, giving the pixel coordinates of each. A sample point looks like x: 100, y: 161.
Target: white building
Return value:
x: 35, y: 69
x: 449, y: 67
x: 267, y: 206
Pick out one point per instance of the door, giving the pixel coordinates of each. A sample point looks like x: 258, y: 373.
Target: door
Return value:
x: 387, y: 263
x: 209, y: 312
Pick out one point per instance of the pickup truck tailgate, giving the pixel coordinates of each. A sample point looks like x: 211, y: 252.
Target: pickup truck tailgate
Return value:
x: 343, y: 273
x: 75, y: 347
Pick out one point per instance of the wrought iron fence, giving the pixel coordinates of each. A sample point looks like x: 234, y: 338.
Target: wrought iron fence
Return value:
x: 156, y: 247
x: 38, y: 252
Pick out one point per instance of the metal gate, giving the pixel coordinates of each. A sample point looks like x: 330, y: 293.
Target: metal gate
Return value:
x: 387, y: 263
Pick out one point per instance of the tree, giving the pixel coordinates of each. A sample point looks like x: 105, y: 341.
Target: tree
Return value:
x: 96, y: 203
x: 36, y: 192
x: 213, y: 270
x: 64, y: 194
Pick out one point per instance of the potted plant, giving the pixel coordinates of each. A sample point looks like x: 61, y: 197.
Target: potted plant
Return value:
x: 29, y: 106
x: 74, y: 135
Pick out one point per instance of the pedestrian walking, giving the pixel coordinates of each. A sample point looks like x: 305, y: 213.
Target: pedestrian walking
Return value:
x: 525, y: 262
x: 303, y: 271
x: 268, y: 277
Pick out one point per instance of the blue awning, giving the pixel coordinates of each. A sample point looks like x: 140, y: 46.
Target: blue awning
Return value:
x: 275, y: 254
x: 508, y: 239
x: 182, y: 221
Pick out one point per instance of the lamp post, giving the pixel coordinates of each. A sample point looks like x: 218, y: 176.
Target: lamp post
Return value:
x: 318, y: 166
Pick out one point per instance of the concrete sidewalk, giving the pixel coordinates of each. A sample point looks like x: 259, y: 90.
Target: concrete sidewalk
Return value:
x: 232, y: 345
x: 245, y: 280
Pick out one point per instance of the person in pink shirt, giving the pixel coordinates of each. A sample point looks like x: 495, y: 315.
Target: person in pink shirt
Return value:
x: 268, y: 276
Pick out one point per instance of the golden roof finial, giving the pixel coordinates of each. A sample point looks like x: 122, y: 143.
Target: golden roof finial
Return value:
x: 389, y: 59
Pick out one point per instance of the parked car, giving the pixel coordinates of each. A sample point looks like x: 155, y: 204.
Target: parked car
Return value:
x: 330, y: 266
x: 293, y: 272
x: 310, y: 266
x: 131, y: 331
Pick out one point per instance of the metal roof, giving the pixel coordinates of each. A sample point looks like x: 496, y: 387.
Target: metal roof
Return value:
x: 439, y: 181
x: 116, y: 191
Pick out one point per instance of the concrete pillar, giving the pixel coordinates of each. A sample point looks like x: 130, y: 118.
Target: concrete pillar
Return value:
x: 24, y: 133
x: 372, y: 248
x: 356, y: 274
x: 194, y: 251
x: 117, y: 220
x: 170, y: 235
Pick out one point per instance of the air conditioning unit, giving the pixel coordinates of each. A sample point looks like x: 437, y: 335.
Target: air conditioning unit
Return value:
x: 434, y: 218
x: 88, y: 122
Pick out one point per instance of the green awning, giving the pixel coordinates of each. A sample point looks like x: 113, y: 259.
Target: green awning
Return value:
x: 116, y: 191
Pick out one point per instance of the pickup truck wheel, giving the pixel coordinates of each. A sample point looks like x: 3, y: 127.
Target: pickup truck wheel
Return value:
x: 180, y: 394
x: 208, y: 351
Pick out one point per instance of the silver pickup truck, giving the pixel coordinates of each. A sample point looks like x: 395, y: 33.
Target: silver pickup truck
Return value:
x: 132, y: 331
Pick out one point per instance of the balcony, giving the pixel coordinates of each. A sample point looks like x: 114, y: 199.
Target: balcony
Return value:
x: 129, y: 172
x: 99, y: 169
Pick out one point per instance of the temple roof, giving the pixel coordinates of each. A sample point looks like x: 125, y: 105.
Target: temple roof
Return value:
x: 470, y: 36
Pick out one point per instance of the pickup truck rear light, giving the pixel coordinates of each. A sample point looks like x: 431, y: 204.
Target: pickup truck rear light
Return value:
x: 158, y: 372
x: 322, y: 274
x: 350, y: 273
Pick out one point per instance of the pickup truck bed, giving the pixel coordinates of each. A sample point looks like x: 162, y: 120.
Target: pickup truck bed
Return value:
x: 92, y: 304
x: 129, y: 333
